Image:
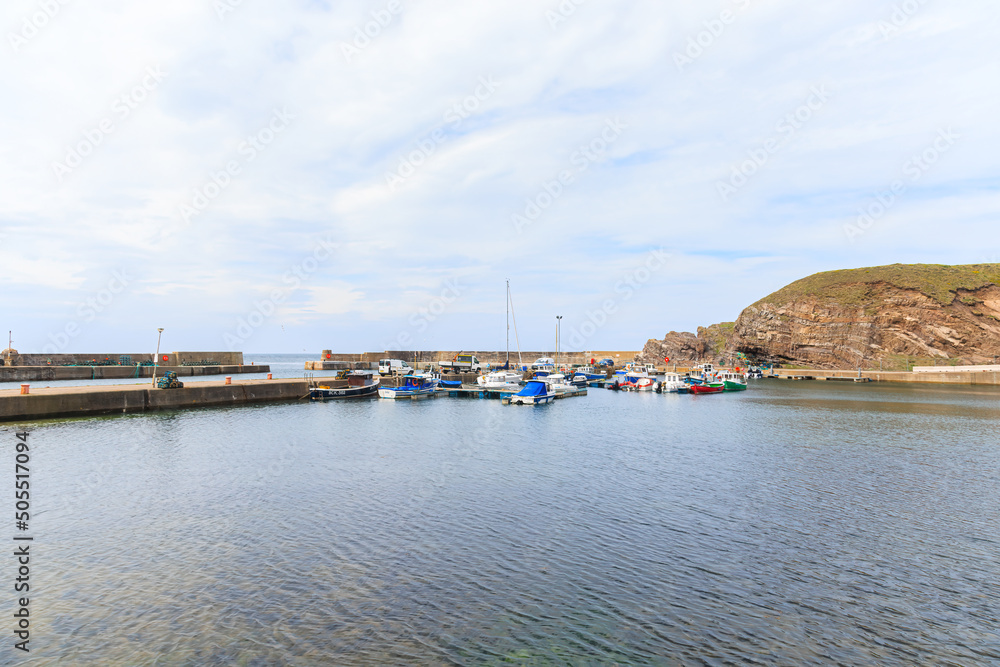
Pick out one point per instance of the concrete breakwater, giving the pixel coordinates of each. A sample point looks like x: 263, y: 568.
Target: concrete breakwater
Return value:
x: 330, y: 360
x: 119, y: 399
x: 53, y: 373
x: 942, y: 377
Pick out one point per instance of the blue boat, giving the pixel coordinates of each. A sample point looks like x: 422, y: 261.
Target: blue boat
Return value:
x: 450, y: 384
x: 413, y: 385
x: 536, y: 392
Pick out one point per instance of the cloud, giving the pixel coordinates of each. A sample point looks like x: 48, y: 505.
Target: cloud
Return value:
x: 891, y: 89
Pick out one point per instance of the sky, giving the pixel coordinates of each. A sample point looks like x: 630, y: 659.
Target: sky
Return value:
x: 368, y: 175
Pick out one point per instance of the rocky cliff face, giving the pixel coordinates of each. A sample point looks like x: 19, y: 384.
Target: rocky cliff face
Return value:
x: 843, y: 319
x: 708, y: 345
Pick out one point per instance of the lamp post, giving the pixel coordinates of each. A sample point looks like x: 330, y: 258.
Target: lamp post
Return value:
x: 558, y: 325
x: 156, y: 357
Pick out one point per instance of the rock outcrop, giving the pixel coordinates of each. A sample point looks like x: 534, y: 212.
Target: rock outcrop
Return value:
x: 709, y: 344
x: 859, y: 317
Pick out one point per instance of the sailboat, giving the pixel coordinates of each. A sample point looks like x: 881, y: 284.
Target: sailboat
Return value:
x: 503, y: 377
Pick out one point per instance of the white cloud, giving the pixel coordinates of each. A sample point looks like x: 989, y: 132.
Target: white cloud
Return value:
x: 354, y: 121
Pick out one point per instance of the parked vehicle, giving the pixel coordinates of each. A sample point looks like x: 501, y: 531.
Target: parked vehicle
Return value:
x: 462, y: 363
x: 607, y: 363
x: 393, y: 367
x: 543, y: 362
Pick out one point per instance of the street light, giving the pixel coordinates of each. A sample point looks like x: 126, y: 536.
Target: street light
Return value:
x: 558, y: 325
x: 156, y: 357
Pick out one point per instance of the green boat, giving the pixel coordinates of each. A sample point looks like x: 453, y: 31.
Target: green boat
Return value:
x: 733, y: 381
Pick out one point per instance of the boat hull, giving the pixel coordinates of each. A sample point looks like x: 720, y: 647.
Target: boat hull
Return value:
x: 711, y: 388
x: 735, y: 386
x: 531, y: 400
x: 328, y: 393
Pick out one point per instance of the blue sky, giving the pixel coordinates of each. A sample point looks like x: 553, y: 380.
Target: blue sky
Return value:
x: 257, y: 176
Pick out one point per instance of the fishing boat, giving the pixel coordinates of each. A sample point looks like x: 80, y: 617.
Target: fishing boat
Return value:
x: 536, y: 392
x: 672, y: 383
x: 413, y: 385
x: 354, y: 384
x: 646, y: 384
x: 708, y: 388
x: 732, y: 381
x: 591, y: 373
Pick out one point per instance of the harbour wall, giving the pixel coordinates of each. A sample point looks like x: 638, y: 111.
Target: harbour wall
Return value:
x: 52, y: 373
x: 165, y: 359
x: 105, y: 400
x: 985, y: 377
x: 413, y: 357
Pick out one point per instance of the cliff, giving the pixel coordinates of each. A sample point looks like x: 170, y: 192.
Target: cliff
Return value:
x: 710, y: 344
x: 860, y: 317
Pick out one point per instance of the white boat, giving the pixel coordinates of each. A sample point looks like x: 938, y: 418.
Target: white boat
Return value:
x: 646, y: 384
x: 500, y: 380
x: 413, y: 386
x: 536, y: 392
x: 672, y: 383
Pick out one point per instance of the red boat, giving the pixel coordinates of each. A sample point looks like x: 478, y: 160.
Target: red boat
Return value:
x: 708, y: 388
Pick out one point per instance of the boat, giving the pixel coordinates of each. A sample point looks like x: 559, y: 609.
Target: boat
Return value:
x: 672, y: 383
x: 557, y: 383
x: 707, y: 388
x: 591, y: 373
x: 732, y: 381
x: 413, y: 385
x: 646, y: 384
x: 500, y: 380
x: 355, y: 384
x: 536, y: 392
x: 450, y: 384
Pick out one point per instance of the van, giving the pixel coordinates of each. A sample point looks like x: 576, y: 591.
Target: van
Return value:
x: 393, y: 367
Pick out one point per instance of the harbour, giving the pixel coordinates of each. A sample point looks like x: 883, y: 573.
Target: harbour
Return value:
x: 618, y: 528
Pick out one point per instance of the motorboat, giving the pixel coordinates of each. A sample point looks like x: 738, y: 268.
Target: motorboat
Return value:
x: 500, y: 380
x: 354, y: 384
x: 591, y: 373
x: 732, y: 381
x: 672, y: 383
x: 646, y: 384
x: 708, y: 388
x: 535, y: 392
x: 413, y: 385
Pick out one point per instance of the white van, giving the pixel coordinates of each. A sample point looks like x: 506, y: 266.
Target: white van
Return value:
x: 393, y: 367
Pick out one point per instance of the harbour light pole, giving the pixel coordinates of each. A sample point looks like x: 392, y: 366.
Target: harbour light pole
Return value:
x: 156, y: 357
x: 558, y: 325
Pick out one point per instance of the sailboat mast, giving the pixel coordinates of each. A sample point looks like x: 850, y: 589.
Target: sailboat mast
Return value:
x: 510, y: 304
x: 508, y: 323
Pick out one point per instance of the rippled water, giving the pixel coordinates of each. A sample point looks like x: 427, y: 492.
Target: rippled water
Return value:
x: 795, y: 523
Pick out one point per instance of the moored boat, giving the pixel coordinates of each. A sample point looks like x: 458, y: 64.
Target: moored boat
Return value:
x: 500, y: 380
x: 672, y: 383
x: 536, y: 392
x: 708, y: 388
x: 356, y: 384
x: 413, y: 385
x: 732, y: 381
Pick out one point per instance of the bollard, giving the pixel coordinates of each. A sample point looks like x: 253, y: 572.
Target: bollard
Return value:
x: 269, y: 377
x: 229, y: 379
x: 24, y: 388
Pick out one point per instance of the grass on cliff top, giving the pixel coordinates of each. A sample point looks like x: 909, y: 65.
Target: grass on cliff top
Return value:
x: 853, y: 286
